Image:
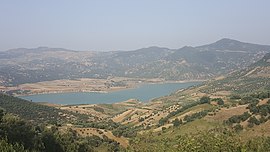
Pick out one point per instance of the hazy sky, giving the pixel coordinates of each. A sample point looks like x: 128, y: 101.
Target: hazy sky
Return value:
x: 104, y: 25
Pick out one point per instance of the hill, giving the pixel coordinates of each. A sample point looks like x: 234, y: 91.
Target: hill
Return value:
x: 38, y: 113
x: 231, y: 112
x: 224, y: 114
x: 73, y: 126
x: 22, y: 65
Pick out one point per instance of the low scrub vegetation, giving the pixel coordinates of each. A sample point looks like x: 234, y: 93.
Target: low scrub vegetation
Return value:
x: 212, y: 140
x: 203, y: 100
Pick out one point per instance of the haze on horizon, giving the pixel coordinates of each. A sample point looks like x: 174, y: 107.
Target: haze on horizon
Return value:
x: 100, y: 25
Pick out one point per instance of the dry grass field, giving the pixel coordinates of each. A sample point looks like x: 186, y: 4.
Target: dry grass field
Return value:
x: 78, y: 85
x: 224, y: 113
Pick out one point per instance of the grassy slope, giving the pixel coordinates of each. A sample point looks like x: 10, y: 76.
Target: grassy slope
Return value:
x: 248, y: 81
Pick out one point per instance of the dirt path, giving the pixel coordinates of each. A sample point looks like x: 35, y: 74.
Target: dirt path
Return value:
x: 122, y: 116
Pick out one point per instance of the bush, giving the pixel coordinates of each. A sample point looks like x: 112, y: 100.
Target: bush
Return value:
x: 205, y: 99
x: 238, y: 118
x: 235, y: 97
x: 238, y: 127
x: 219, y: 101
x: 125, y: 131
x: 19, y: 135
x: 254, y: 120
x: 208, y: 141
x: 164, y: 120
x: 141, y: 119
x: 163, y: 128
x: 177, y: 122
x: 198, y: 115
x: 248, y: 99
x: 6, y: 147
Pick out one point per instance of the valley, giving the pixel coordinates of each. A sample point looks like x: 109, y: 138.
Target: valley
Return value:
x: 134, y: 76
x: 231, y: 110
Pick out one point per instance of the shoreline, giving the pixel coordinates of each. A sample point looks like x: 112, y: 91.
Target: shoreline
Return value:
x: 74, y: 91
x: 133, y: 86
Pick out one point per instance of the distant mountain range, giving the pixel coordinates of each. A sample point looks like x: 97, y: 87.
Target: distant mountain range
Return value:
x: 22, y: 65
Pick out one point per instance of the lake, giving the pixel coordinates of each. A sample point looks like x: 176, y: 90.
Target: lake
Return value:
x: 143, y: 93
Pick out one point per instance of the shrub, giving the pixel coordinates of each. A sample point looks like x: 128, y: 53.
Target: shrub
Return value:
x: 177, y: 122
x: 205, y: 99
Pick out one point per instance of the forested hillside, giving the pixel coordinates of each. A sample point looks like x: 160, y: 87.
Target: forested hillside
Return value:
x: 19, y: 135
x: 38, y: 113
x: 22, y: 65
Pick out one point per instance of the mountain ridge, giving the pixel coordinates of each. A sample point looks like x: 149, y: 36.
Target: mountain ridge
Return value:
x: 186, y: 63
x: 220, y: 41
x: 226, y: 43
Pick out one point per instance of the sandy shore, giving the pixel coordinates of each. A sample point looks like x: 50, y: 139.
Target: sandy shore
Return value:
x: 78, y: 85
x: 85, y: 85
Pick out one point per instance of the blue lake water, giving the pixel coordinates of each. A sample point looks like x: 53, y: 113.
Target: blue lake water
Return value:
x: 143, y: 93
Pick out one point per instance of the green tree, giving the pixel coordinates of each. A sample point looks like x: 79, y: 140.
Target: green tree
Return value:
x: 220, y: 101
x: 238, y: 127
x: 18, y: 131
x: 177, y: 122
x: 50, y: 142
x: 254, y: 120
x: 6, y: 147
x: 163, y: 128
x: 2, y: 113
x: 205, y: 99
x: 141, y: 119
